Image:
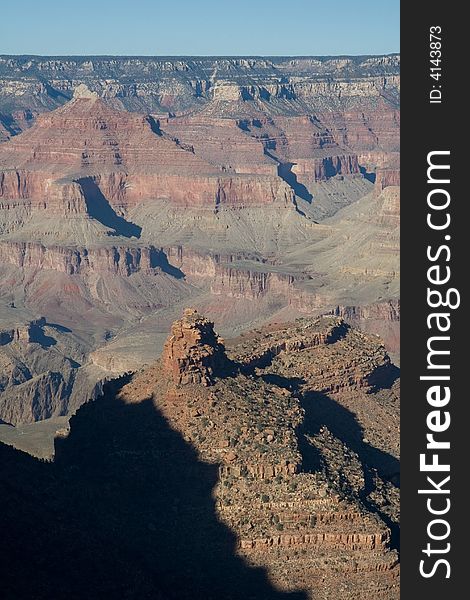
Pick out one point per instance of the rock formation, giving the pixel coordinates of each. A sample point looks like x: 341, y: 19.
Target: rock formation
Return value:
x: 162, y: 85
x: 249, y: 188
x: 294, y: 434
x: 193, y: 353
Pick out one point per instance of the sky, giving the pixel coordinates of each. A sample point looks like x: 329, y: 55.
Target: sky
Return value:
x: 199, y: 27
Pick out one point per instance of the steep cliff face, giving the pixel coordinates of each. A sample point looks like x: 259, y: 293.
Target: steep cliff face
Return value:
x: 121, y: 156
x: 291, y: 107
x: 116, y: 260
x: 387, y: 177
x: 40, y: 191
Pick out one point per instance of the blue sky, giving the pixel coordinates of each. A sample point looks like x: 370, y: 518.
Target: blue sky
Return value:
x: 199, y: 27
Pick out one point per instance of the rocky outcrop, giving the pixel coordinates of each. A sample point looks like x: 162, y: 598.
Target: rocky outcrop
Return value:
x: 262, y: 423
x: 366, y: 368
x: 193, y: 353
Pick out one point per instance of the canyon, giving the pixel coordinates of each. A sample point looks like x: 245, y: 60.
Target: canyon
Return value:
x: 248, y: 446
x: 258, y: 190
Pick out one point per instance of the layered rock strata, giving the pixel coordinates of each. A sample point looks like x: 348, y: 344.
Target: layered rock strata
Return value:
x: 177, y: 84
x: 210, y: 186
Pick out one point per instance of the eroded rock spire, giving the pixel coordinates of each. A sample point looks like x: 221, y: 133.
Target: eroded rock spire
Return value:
x: 193, y: 353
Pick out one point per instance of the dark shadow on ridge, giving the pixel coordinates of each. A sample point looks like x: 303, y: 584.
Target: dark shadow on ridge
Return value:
x: 323, y: 411
x: 384, y: 376
x: 60, y: 328
x: 154, y: 125
x: 320, y: 410
x: 158, y: 258
x: 124, y: 512
x: 285, y: 172
x: 100, y: 209
x: 38, y: 336
x: 312, y: 459
x: 369, y: 175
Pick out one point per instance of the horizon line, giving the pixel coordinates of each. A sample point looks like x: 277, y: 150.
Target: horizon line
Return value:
x: 174, y: 56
